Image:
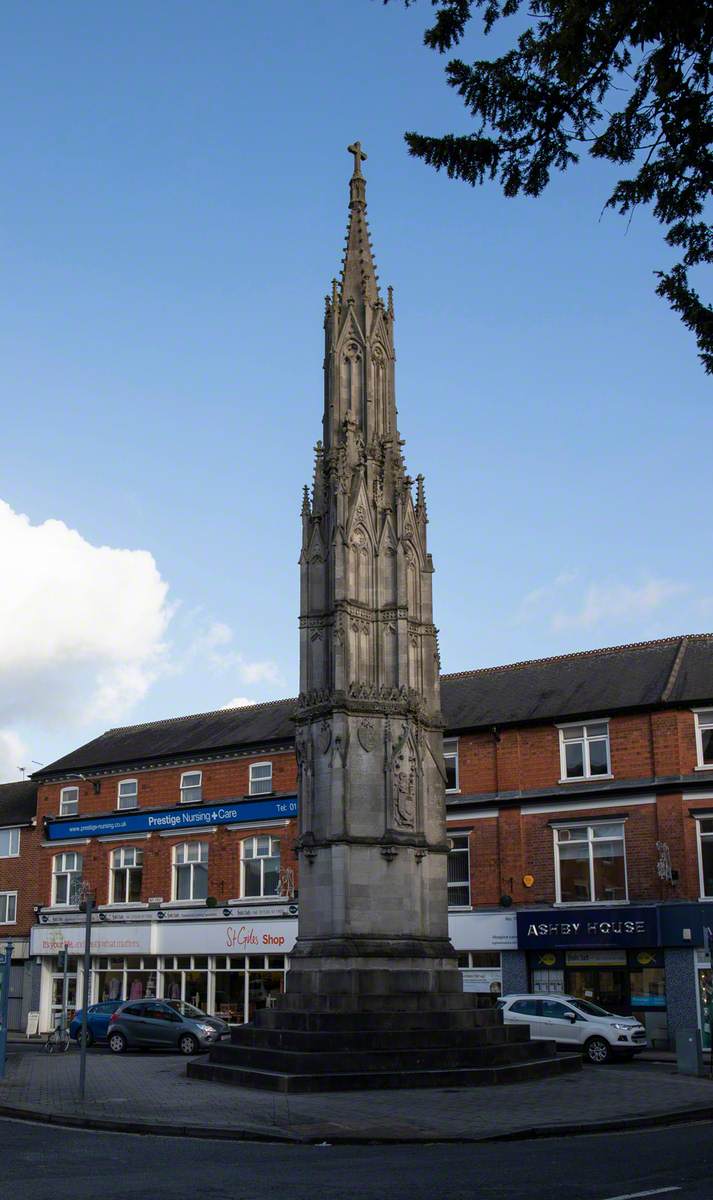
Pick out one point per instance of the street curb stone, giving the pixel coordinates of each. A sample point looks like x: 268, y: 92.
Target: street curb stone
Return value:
x: 318, y: 1135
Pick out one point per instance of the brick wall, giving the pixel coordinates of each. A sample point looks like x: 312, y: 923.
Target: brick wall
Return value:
x: 160, y: 788
x: 21, y: 875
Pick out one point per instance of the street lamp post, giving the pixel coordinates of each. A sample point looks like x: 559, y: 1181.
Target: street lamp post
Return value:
x: 88, y: 905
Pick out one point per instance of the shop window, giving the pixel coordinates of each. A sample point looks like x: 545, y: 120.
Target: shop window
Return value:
x: 69, y: 802
x: 450, y: 761
x: 459, y: 871
x: 191, y: 787
x: 8, y: 908
x: 704, y: 737
x: 260, y: 778
x: 126, y: 871
x: 705, y: 856
x: 591, y: 863
x: 9, y: 843
x: 66, y: 877
x: 190, y: 871
x: 584, y: 751
x: 127, y: 793
x: 260, y: 866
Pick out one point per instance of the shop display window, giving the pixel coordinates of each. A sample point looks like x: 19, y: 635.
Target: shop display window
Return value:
x: 230, y: 996
x: 648, y: 987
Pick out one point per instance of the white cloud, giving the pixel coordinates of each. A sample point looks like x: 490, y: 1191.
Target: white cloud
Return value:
x: 567, y: 603
x: 618, y: 602
x: 213, y: 647
x: 239, y: 702
x: 84, y: 636
x: 81, y: 627
x: 13, y: 754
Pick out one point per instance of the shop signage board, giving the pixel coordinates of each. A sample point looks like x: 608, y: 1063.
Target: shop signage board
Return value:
x: 483, y: 930
x: 238, y: 936
x: 172, y: 820
x: 50, y: 939
x: 571, y: 927
x: 131, y: 917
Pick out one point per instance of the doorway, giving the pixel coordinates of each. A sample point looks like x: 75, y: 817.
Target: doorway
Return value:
x: 606, y: 986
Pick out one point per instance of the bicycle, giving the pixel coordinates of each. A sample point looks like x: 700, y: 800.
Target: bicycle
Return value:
x: 57, y: 1041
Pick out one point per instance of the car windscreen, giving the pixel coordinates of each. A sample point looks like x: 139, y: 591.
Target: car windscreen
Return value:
x: 185, y: 1009
x: 592, y: 1010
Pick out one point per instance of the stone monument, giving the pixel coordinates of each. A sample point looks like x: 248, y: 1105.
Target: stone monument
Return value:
x: 374, y: 996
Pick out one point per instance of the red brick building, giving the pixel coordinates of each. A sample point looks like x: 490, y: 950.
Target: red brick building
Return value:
x: 578, y: 793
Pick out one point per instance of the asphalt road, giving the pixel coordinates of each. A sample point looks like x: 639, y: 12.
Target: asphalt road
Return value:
x: 43, y: 1163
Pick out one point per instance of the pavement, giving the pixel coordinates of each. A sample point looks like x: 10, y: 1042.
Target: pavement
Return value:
x: 149, y: 1092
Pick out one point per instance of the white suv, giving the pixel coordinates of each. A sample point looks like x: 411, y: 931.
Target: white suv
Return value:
x: 575, y: 1022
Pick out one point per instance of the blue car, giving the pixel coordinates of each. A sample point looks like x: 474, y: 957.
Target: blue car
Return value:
x: 97, y: 1021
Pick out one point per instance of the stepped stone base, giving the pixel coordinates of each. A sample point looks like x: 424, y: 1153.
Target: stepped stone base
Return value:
x: 353, y: 1041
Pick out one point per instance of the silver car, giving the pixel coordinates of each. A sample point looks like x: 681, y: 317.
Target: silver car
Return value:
x: 173, y: 1024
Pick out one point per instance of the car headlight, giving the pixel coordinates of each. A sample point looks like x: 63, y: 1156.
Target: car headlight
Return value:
x: 206, y: 1028
x: 617, y: 1025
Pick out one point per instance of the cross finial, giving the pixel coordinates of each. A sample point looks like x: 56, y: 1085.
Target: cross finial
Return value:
x: 359, y: 158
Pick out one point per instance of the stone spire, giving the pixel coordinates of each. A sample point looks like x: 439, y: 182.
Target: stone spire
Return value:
x: 368, y: 724
x: 359, y: 281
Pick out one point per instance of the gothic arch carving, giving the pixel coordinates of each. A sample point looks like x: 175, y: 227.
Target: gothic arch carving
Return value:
x: 361, y: 564
x: 351, y: 378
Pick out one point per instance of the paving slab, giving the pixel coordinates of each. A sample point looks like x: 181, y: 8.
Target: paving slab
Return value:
x: 149, y: 1092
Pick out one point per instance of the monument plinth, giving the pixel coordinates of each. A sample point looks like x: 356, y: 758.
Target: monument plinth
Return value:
x: 374, y: 996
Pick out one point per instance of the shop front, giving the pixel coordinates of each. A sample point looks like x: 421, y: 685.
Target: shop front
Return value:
x: 611, y: 956
x: 480, y: 940
x: 228, y: 967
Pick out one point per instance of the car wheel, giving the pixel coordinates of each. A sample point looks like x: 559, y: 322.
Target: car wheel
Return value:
x: 187, y: 1044
x: 597, y: 1050
x: 117, y: 1043
x: 90, y: 1038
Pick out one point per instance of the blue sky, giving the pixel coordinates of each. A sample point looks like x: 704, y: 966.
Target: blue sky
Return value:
x: 172, y: 209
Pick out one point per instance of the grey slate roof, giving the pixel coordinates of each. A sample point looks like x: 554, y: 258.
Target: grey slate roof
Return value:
x: 18, y: 802
x: 644, y: 675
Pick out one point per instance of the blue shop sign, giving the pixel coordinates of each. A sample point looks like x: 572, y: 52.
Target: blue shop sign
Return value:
x: 564, y: 929
x: 173, y: 820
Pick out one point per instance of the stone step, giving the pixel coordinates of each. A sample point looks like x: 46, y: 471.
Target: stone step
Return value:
x: 379, y: 1002
x: 374, y: 1039
x: 315, y: 1062
x: 386, y: 981
x: 276, y: 1081
x: 331, y: 1022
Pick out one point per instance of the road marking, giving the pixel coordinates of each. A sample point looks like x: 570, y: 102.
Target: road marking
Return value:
x: 636, y: 1195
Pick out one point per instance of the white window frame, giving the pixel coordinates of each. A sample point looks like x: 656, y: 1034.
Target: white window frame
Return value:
x: 452, y: 754
x: 191, y: 787
x: 126, y: 807
x: 699, y: 847
x: 63, y: 854
x: 203, y: 848
x: 7, y: 896
x: 588, y: 825
x: 460, y: 833
x: 263, y: 791
x: 63, y: 802
x: 124, y: 868
x: 11, y: 852
x: 700, y: 725
x: 564, y: 777
x: 263, y: 895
